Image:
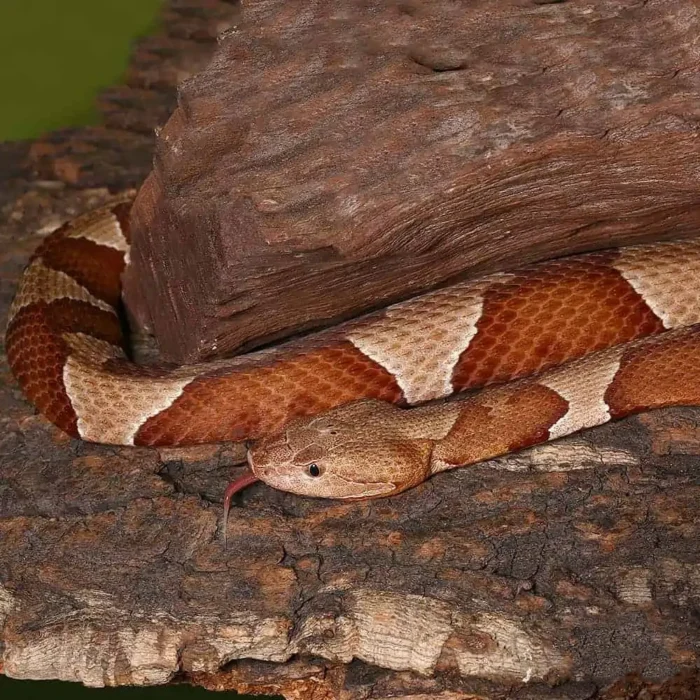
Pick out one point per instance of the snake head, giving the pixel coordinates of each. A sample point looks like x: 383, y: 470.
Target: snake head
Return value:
x: 346, y: 453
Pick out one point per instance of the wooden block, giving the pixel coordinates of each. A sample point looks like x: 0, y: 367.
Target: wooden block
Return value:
x: 336, y: 157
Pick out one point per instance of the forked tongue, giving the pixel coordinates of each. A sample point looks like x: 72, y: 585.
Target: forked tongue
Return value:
x: 231, y: 490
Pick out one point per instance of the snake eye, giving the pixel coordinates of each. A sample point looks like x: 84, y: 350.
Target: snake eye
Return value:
x: 314, y: 469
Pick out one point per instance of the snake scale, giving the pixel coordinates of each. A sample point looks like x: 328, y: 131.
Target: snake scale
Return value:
x: 351, y: 412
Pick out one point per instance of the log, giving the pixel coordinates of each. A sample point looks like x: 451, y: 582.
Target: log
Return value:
x: 335, y: 157
x: 548, y: 574
x: 569, y: 572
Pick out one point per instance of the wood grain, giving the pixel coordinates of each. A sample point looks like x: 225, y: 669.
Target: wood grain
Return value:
x: 309, y: 174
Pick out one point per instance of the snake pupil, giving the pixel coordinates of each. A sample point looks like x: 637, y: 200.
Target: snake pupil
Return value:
x: 313, y: 469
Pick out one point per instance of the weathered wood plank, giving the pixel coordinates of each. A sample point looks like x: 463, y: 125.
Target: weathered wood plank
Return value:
x: 335, y: 157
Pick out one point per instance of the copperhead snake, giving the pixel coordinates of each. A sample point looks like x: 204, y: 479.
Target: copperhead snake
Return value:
x: 351, y: 412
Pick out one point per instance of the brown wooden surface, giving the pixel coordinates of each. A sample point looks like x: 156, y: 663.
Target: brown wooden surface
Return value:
x: 571, y: 567
x: 337, y: 156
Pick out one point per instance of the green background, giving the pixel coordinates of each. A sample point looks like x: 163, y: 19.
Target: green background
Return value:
x: 55, y: 56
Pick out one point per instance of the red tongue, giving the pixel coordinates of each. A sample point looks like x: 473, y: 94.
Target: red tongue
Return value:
x: 233, y: 488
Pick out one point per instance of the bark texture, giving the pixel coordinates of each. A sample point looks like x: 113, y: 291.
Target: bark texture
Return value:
x: 334, y: 157
x: 569, y: 572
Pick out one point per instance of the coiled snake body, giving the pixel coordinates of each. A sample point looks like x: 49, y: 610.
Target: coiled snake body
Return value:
x: 629, y: 313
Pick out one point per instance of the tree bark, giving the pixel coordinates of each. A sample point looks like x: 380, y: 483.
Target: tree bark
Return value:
x: 554, y: 573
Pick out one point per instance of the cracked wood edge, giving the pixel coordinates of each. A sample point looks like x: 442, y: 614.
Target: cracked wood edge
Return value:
x: 410, y: 632
x: 391, y: 630
x: 387, y: 629
x: 567, y: 455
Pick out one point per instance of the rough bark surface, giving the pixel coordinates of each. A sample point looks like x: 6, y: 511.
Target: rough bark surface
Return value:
x: 551, y: 574
x: 334, y: 157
